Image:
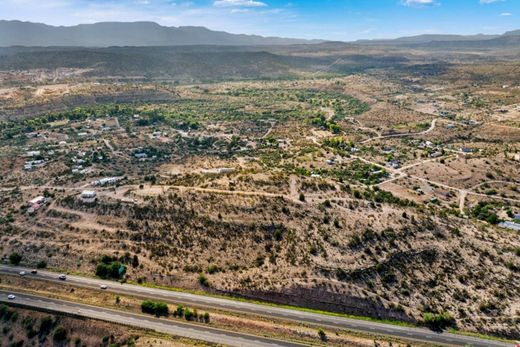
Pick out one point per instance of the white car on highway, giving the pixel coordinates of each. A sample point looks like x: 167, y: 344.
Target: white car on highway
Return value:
x: 22, y: 273
x: 103, y: 286
x: 11, y: 297
x: 62, y: 277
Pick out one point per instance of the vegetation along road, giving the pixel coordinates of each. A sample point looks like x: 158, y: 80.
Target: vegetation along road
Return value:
x: 187, y: 330
x: 409, y: 333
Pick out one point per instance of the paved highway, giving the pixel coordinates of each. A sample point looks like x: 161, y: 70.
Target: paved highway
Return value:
x: 202, y: 301
x: 189, y: 330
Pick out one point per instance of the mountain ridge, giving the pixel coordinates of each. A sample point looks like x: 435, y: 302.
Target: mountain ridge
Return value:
x: 429, y: 38
x: 151, y: 34
x: 107, y: 34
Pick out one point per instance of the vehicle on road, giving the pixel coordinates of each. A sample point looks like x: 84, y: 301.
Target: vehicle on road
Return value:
x: 34, y: 272
x: 22, y: 273
x: 62, y: 277
x: 11, y: 297
x: 103, y: 286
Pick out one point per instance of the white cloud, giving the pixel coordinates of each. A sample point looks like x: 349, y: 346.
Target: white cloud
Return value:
x: 484, y: 2
x: 418, y: 2
x: 506, y: 14
x: 239, y: 3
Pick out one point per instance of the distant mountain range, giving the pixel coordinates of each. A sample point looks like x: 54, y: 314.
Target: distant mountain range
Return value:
x: 147, y: 34
x: 141, y: 34
x: 429, y: 38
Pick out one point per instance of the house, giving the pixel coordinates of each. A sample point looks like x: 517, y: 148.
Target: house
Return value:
x: 517, y: 157
x: 141, y: 155
x: 467, y: 150
x: 29, y: 165
x: 33, y: 153
x: 450, y: 126
x: 35, y: 204
x: 426, y: 144
x: 394, y: 163
x: 78, y: 161
x: 88, y: 196
x: 37, y: 200
x: 436, y: 154
x: 218, y: 171
x: 107, y: 181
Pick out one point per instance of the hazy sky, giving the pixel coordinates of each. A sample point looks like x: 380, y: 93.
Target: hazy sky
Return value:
x: 325, y: 19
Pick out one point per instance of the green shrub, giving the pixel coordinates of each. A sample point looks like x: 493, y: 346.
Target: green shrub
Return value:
x: 203, y: 280
x: 179, y: 311
x: 46, y: 325
x: 60, y: 334
x: 439, y: 321
x: 212, y: 269
x: 3, y: 310
x: 188, y: 315
x: 322, y: 335
x: 109, y: 268
x: 485, y: 211
x: 155, y: 307
x: 15, y: 258
x: 41, y: 264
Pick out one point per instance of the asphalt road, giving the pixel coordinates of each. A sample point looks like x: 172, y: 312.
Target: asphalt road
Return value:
x: 202, y: 301
x: 189, y: 330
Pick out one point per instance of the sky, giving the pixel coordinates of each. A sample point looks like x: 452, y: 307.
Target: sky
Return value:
x: 344, y: 20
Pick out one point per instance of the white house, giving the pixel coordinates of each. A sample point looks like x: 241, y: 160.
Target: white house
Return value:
x: 37, y: 200
x: 107, y: 181
x: 88, y: 196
